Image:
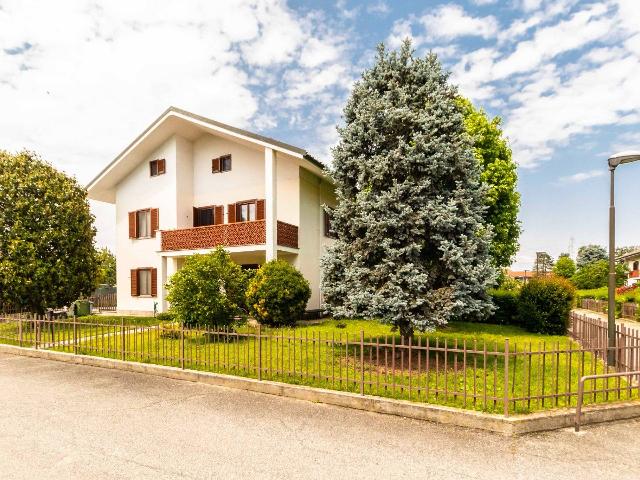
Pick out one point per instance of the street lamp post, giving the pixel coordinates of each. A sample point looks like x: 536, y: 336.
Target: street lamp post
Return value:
x: 614, y: 161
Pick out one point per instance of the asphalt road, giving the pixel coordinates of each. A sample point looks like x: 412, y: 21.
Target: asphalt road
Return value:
x: 67, y: 421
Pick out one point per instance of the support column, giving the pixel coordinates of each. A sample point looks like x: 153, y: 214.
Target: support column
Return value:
x: 162, y: 280
x: 271, y: 201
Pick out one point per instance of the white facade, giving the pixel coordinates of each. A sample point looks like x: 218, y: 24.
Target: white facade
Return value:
x: 291, y: 186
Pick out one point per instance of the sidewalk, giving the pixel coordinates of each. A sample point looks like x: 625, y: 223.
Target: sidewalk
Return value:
x: 603, y: 316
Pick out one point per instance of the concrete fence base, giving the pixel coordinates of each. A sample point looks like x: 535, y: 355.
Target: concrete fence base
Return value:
x: 513, y: 425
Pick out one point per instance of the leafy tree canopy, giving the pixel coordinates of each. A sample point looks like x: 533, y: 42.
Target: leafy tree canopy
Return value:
x: 596, y: 275
x: 565, y: 267
x: 413, y: 244
x: 543, y: 263
x: 499, y: 172
x: 47, y: 255
x: 590, y: 253
x: 106, y: 267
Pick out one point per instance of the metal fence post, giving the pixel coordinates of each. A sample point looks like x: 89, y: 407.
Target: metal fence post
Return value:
x: 182, y: 346
x: 35, y: 331
x: 75, y: 336
x: 259, y: 352
x: 506, y: 377
x: 20, y: 331
x: 361, y: 362
x: 123, y: 341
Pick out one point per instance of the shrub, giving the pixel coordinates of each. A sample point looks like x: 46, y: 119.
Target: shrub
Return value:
x: 170, y: 330
x: 208, y: 290
x: 277, y: 294
x: 165, y: 317
x: 506, y: 303
x: 545, y: 303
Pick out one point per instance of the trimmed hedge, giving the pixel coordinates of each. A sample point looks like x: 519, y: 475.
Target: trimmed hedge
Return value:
x: 544, y: 305
x: 277, y: 294
x: 506, y: 303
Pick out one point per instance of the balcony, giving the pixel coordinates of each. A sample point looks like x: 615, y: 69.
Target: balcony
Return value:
x: 634, y: 274
x: 227, y: 235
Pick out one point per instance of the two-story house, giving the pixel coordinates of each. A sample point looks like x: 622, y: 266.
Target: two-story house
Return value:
x: 632, y: 259
x: 188, y: 184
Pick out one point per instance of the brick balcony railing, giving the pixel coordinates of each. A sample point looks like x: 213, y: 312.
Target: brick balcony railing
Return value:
x: 634, y: 274
x: 227, y: 235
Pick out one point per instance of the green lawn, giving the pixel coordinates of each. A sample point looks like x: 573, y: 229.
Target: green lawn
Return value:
x: 543, y: 370
x: 330, y: 355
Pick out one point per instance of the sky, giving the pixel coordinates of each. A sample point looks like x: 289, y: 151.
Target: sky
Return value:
x: 79, y: 80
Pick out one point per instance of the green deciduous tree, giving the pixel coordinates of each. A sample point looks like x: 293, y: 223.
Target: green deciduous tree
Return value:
x: 596, y: 275
x: 590, y: 253
x: 499, y: 172
x: 565, y: 267
x: 47, y: 254
x: 413, y: 245
x: 106, y: 267
x: 208, y: 290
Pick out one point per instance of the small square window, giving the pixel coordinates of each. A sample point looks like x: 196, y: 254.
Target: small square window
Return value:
x: 205, y: 216
x: 157, y: 167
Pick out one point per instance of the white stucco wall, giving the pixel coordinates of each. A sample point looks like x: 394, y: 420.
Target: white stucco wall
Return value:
x: 139, y: 191
x: 314, y: 192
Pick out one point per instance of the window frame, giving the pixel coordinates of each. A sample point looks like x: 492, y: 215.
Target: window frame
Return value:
x: 148, y: 223
x: 326, y: 220
x: 213, y: 215
x: 156, y: 164
x: 147, y: 272
x: 221, y: 160
x: 247, y: 203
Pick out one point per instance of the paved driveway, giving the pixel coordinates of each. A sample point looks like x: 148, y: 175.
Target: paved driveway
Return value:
x: 67, y: 421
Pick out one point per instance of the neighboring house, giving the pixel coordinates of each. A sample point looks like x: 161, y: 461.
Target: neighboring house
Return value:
x: 522, y: 276
x: 188, y: 184
x: 632, y: 259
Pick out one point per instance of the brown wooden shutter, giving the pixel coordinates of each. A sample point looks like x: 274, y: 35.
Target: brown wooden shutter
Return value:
x: 215, y: 165
x: 218, y: 215
x: 155, y: 221
x: 154, y: 282
x: 134, y: 283
x: 259, y: 209
x: 195, y: 217
x: 132, y: 224
x: 231, y: 213
x: 162, y: 167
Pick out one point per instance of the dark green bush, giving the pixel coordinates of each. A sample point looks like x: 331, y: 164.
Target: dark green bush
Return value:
x: 166, y: 317
x: 277, y: 294
x: 545, y: 303
x: 506, y: 303
x: 208, y: 290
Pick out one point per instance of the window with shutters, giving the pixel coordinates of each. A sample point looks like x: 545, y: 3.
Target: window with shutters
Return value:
x: 157, y: 167
x: 246, y: 211
x: 221, y: 164
x: 204, y: 216
x: 144, y: 281
x: 143, y: 223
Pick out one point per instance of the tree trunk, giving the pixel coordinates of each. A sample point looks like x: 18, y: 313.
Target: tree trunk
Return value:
x: 406, y: 331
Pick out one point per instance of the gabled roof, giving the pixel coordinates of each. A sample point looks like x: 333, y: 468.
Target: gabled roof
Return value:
x: 629, y: 255
x: 177, y: 121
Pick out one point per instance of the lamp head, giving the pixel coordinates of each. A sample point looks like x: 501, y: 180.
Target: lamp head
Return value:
x: 624, y: 157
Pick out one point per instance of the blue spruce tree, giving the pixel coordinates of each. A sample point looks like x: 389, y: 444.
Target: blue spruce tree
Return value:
x: 412, y: 248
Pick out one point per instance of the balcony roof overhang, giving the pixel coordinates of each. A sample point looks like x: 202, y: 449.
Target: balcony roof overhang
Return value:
x: 175, y: 121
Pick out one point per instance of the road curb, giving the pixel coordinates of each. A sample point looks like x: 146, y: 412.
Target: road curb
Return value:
x: 513, y: 425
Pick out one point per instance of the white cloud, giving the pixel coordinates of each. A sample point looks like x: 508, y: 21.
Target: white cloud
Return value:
x: 78, y: 81
x: 582, y: 176
x: 451, y: 21
x: 484, y: 2
x: 379, y: 8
